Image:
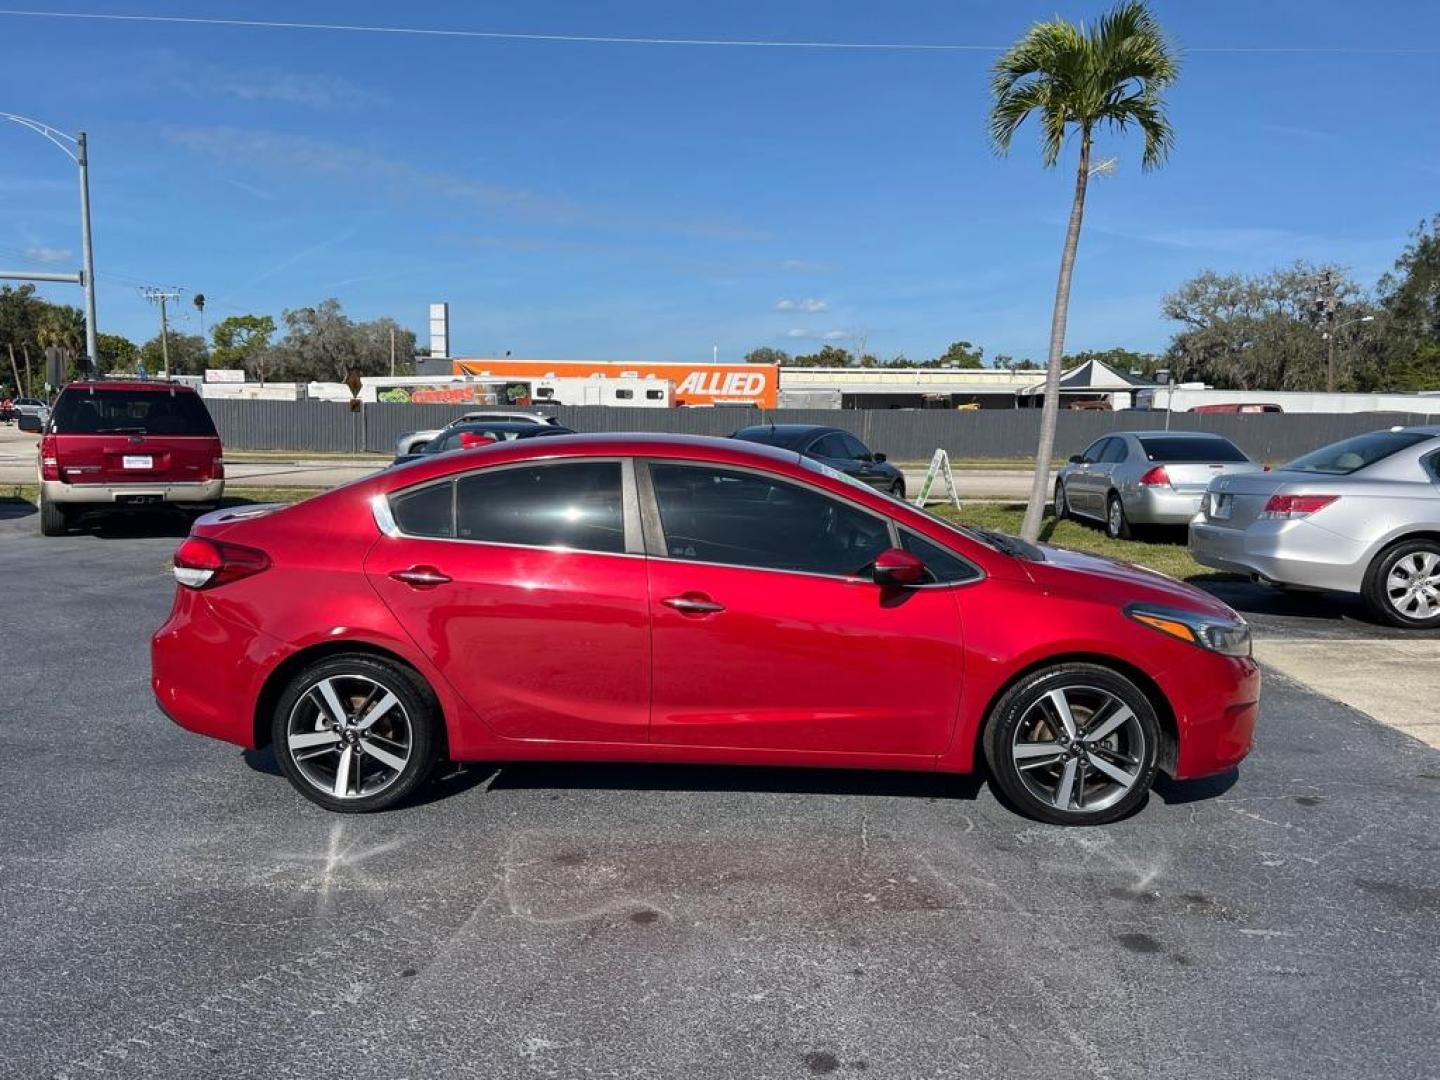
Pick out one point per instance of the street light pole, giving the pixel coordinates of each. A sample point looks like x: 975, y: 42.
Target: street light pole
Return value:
x: 87, y: 253
x: 87, y: 274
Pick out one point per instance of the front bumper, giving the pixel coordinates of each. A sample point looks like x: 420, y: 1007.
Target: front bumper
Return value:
x: 1216, y: 700
x: 57, y: 491
x: 1294, y: 552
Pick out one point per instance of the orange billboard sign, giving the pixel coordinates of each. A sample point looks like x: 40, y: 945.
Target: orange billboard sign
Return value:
x: 695, y: 384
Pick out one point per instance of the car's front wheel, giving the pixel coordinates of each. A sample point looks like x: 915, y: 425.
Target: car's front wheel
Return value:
x: 1402, y: 585
x: 356, y: 733
x: 1073, y: 744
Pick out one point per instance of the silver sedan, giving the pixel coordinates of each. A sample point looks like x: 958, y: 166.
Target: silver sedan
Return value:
x: 1358, y: 516
x: 1145, y: 477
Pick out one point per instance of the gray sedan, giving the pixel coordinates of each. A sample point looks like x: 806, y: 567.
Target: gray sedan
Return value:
x: 1145, y: 478
x: 1359, y: 516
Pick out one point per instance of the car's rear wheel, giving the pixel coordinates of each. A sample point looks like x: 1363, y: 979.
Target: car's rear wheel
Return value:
x: 356, y: 733
x: 1117, y: 525
x: 1073, y: 744
x: 54, y: 520
x: 1402, y: 585
x: 1062, y: 506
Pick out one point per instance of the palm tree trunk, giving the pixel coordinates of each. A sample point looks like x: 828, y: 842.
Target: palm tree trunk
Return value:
x: 1035, y: 509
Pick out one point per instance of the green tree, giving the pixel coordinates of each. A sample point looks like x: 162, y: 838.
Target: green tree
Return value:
x: 117, y: 353
x: 960, y: 354
x: 828, y: 356
x: 1118, y: 359
x: 766, y: 355
x: 240, y: 342
x: 63, y: 327
x: 187, y: 355
x: 1079, y: 81
x: 322, y: 343
x: 1408, y: 319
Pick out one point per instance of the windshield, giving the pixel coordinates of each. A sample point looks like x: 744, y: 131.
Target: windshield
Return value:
x: 1352, y: 455
x: 1178, y: 448
x: 160, y: 411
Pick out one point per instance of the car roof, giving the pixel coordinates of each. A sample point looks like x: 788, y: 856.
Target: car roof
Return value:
x: 782, y: 434
x: 1175, y: 434
x: 496, y: 425
x: 127, y: 384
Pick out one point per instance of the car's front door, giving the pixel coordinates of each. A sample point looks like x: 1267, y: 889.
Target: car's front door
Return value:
x: 1081, y: 483
x: 767, y: 632
x: 526, y: 586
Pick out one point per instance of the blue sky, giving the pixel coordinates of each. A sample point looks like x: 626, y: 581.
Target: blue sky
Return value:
x: 650, y: 202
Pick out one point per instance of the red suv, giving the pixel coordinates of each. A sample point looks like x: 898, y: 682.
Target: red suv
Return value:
x: 124, y: 445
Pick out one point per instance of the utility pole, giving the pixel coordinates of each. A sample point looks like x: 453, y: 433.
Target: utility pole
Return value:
x: 1325, y: 304
x: 162, y: 297
x: 29, y: 382
x: 392, y: 352
x: 19, y: 386
x: 87, y: 255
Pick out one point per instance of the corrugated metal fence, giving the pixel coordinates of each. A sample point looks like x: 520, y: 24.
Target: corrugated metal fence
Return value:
x: 905, y: 435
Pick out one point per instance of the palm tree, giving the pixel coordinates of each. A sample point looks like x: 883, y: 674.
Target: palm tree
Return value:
x: 1078, y: 81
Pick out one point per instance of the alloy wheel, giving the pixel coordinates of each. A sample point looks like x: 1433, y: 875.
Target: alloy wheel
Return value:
x: 1115, y: 518
x: 349, y: 736
x: 1413, y: 585
x: 1079, y: 749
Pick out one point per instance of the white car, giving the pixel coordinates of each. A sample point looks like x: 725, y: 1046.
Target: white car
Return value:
x: 411, y: 442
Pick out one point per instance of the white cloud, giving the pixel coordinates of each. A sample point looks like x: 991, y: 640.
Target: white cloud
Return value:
x: 808, y: 305
x: 49, y: 254
x: 805, y: 266
x: 818, y: 335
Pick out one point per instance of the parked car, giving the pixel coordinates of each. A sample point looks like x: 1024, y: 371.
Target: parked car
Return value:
x: 1358, y: 516
x: 1145, y: 478
x: 464, y: 435
x: 677, y: 599
x: 1238, y: 407
x: 411, y: 442
x: 29, y: 406
x: 830, y: 446
x: 126, y: 446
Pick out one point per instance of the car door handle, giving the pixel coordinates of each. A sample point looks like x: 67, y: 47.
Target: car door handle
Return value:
x: 421, y: 577
x: 693, y: 604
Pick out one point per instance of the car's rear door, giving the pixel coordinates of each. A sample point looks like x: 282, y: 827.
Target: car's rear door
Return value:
x: 525, y: 584
x: 768, y: 634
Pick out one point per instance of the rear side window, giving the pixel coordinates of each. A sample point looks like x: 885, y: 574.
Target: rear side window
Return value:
x: 1169, y: 448
x: 426, y: 511
x: 1351, y: 455
x: 745, y: 519
x: 1116, y: 451
x: 574, y: 505
x: 131, y: 412
x: 944, y: 567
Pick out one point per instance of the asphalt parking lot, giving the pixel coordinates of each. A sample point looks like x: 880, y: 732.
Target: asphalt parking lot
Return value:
x: 172, y: 909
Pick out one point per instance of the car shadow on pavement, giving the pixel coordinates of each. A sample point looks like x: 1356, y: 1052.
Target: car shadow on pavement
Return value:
x: 12, y: 509
x: 1178, y: 792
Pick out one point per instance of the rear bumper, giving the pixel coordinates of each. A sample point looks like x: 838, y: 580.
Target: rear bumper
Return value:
x: 1288, y: 552
x: 207, y: 672
x: 1161, y: 506
x: 57, y: 491
x: 1216, y: 701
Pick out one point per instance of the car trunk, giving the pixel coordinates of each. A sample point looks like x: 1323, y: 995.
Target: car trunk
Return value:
x: 1195, y: 476
x: 133, y: 458
x: 1236, y: 501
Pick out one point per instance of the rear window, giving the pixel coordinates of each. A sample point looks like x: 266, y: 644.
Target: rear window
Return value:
x: 1352, y: 455
x: 136, y: 412
x: 1170, y: 448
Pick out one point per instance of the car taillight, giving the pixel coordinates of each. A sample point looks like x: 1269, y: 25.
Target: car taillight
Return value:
x: 1156, y: 477
x: 217, y: 469
x: 49, y: 459
x: 1295, y: 506
x: 203, y: 564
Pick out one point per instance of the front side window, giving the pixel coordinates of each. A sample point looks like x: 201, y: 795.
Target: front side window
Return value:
x: 854, y: 448
x: 944, y: 567
x: 1115, y: 452
x: 831, y: 446
x: 575, y: 505
x: 746, y: 519
x: 1094, y: 450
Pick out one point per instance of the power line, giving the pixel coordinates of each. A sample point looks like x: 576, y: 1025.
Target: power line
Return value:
x: 594, y: 39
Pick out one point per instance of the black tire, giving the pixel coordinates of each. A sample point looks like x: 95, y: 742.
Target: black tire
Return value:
x: 1017, y: 706
x: 1117, y: 524
x: 897, y: 489
x: 420, y: 712
x: 1062, y: 504
x: 54, y: 520
x: 1376, y: 587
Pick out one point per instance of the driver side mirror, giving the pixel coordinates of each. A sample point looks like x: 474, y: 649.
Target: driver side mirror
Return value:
x: 877, y: 458
x: 1077, y: 459
x: 896, y: 566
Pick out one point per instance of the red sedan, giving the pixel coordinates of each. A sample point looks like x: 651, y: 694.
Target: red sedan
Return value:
x: 671, y: 599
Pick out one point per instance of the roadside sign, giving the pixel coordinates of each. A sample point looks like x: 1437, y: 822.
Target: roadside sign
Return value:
x: 939, y: 466
x: 224, y: 375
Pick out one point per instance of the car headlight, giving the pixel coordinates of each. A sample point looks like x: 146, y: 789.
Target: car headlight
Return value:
x: 1230, y: 637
